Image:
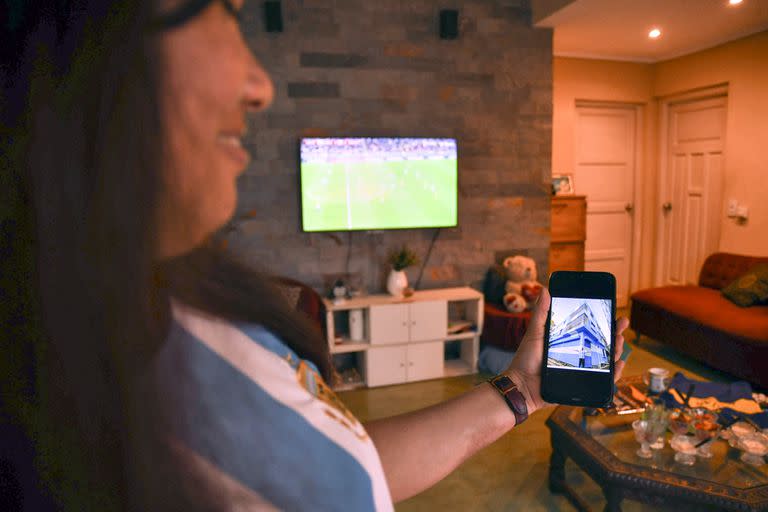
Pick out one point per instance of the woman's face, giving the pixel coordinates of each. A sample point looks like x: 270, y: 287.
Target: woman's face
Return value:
x: 210, y: 81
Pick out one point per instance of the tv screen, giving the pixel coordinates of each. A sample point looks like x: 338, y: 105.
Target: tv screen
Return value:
x: 378, y: 183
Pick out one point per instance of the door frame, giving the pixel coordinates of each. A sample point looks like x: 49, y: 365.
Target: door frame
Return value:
x: 665, y: 103
x: 637, y: 180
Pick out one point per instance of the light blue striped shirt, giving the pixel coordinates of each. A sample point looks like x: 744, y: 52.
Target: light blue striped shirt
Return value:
x: 260, y: 422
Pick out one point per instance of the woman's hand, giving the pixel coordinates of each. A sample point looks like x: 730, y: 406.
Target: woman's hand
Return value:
x: 525, y: 370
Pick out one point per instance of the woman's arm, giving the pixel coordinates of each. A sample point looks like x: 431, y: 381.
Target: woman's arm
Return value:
x: 420, y: 448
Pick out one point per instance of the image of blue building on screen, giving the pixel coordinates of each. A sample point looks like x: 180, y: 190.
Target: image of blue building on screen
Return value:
x: 579, y: 336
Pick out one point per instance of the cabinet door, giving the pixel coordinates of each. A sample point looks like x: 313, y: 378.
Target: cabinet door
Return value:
x: 389, y: 323
x: 425, y: 361
x: 385, y: 365
x: 429, y: 320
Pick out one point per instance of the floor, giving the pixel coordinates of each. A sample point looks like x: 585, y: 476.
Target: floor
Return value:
x: 511, y: 474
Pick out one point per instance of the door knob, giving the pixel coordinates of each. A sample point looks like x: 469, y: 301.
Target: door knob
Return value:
x: 667, y: 206
x: 629, y: 207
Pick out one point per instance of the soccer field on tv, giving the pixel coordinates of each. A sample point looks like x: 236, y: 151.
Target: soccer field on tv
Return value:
x: 378, y: 195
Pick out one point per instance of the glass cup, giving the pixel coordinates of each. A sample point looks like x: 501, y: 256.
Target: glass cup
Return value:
x: 737, y: 431
x: 755, y: 447
x: 685, y: 449
x: 641, y: 428
x: 656, y: 415
x: 649, y: 432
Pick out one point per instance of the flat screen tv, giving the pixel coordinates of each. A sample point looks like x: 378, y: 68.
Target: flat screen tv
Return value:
x: 378, y: 183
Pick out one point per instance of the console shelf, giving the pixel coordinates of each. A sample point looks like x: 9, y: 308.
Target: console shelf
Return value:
x: 348, y: 345
x: 404, y: 339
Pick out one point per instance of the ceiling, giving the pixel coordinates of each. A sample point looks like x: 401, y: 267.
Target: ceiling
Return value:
x: 618, y: 29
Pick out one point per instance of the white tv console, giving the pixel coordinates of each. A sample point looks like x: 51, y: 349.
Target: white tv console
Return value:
x: 403, y: 339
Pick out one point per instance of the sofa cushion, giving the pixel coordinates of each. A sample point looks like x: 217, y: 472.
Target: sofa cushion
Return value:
x: 502, y: 328
x: 494, y: 285
x: 750, y: 288
x: 708, y: 307
x: 721, y: 268
x: 308, y: 301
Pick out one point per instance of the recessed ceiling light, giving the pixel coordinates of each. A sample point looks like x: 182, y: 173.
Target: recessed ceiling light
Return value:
x: 735, y: 2
x: 655, y: 33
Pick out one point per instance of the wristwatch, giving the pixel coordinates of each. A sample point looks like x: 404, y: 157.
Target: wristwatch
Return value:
x: 512, y: 396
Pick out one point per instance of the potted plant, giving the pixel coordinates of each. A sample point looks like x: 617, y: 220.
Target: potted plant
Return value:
x: 400, y: 259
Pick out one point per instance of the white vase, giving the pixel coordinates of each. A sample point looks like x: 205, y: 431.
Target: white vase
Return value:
x: 397, y: 281
x: 356, y: 324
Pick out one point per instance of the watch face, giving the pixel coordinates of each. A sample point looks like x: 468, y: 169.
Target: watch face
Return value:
x: 503, y: 382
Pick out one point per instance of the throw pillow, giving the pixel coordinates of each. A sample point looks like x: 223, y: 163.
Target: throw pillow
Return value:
x: 749, y: 289
x: 494, y: 285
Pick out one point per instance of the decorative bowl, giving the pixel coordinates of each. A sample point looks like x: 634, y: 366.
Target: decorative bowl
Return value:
x: 755, y: 447
x: 679, y: 420
x: 705, y: 427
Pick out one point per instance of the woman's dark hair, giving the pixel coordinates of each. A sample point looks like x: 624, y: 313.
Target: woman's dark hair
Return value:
x: 84, y: 305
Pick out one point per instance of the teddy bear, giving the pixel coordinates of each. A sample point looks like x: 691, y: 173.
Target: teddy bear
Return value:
x: 522, y: 288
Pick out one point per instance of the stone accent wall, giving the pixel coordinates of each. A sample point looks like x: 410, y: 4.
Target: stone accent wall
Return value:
x: 379, y: 68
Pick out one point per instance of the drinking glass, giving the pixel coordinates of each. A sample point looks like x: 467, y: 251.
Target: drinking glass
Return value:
x: 755, y: 447
x: 685, y: 449
x: 736, y: 432
x: 656, y: 415
x: 641, y: 435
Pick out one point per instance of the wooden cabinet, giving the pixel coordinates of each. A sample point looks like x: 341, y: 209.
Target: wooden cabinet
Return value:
x: 404, y: 338
x: 566, y: 256
x: 569, y: 230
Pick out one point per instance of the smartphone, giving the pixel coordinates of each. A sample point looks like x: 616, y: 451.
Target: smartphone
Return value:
x: 579, y: 339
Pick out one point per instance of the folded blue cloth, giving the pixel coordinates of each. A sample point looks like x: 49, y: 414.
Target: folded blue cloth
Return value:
x: 722, y: 391
x: 493, y: 360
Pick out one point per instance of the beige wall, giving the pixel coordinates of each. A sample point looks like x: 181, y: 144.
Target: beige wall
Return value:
x: 743, y: 66
x: 611, y: 81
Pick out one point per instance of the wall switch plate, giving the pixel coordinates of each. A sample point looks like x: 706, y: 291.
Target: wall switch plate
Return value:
x: 733, y: 207
x: 742, y: 212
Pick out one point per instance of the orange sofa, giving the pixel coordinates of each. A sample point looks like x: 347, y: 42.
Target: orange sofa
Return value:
x: 700, y: 322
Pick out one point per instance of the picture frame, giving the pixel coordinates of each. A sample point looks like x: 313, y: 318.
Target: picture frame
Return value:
x: 562, y: 185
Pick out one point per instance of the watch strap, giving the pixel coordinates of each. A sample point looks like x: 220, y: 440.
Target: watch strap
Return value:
x: 512, y: 395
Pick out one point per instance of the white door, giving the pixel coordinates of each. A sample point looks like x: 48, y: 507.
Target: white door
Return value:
x: 389, y: 323
x: 606, y: 152
x: 385, y: 365
x: 691, y: 188
x: 429, y: 320
x: 425, y: 361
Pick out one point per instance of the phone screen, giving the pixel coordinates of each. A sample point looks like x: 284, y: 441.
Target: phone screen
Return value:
x: 577, y: 368
x: 580, y: 335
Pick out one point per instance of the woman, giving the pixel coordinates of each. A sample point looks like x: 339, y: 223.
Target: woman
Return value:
x: 147, y: 368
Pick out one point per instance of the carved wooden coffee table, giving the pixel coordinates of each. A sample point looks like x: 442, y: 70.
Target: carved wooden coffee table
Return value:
x: 604, y: 447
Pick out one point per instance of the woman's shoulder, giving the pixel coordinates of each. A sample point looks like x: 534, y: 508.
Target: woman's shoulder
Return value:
x: 224, y: 336
x: 242, y: 400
